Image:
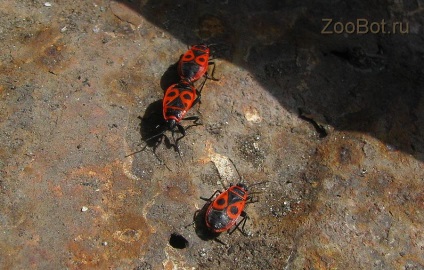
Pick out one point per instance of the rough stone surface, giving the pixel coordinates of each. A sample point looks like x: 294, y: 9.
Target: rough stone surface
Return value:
x: 333, y: 122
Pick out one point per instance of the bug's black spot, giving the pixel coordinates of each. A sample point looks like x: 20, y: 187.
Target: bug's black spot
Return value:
x: 171, y: 94
x: 201, y: 59
x: 186, y: 96
x: 178, y: 241
x: 221, y: 201
x: 234, y: 210
x: 188, y: 56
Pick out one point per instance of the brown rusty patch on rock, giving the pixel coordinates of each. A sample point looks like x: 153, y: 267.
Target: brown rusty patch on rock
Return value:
x: 343, y: 154
x: 354, y: 208
x: 127, y: 235
x: 179, y: 187
x: 52, y: 57
x: 45, y: 48
x: 130, y: 85
x: 118, y: 229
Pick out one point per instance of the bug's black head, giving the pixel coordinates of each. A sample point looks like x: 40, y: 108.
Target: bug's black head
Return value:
x: 201, y: 47
x: 243, y: 186
x: 170, y: 124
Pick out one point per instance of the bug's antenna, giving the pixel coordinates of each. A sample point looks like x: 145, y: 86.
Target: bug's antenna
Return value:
x: 259, y: 183
x: 138, y: 151
x: 154, y: 136
x: 176, y: 146
x: 241, y: 177
x: 235, y: 167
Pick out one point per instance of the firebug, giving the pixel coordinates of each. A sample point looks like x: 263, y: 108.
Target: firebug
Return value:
x: 194, y: 63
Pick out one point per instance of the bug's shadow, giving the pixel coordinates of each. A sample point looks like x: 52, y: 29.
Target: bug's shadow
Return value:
x: 152, y: 125
x: 170, y: 77
x: 201, y: 230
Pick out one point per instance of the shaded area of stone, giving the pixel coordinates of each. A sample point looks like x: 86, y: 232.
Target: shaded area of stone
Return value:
x: 79, y: 90
x: 361, y: 82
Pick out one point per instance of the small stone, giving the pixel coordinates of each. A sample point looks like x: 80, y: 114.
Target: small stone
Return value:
x: 84, y: 209
x: 202, y: 252
x: 96, y: 29
x: 47, y: 4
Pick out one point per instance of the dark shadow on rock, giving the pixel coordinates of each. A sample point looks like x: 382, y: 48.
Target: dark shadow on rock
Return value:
x: 170, y: 77
x: 371, y: 83
x: 202, y: 231
x: 152, y: 125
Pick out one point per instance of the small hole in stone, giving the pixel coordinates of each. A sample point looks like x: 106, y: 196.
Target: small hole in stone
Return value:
x: 178, y: 241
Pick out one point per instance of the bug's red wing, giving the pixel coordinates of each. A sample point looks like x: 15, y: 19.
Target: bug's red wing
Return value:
x: 188, y: 56
x: 194, y: 64
x: 179, y: 97
x: 220, y: 202
x: 187, y: 98
x: 171, y: 94
x: 234, y: 210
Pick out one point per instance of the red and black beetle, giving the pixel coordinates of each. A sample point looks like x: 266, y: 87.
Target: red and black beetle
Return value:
x: 224, y: 211
x: 194, y: 63
x: 177, y: 100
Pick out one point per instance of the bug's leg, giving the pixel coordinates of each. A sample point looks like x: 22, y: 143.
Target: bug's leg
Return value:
x: 220, y: 241
x: 201, y: 87
x: 198, y: 99
x: 213, y: 71
x: 167, y: 142
x: 194, y: 218
x: 195, y: 120
x: 182, y: 131
x: 213, y: 195
x: 243, y: 222
x: 199, y: 95
x: 252, y: 200
x: 158, y: 158
x: 156, y: 145
x: 245, y: 218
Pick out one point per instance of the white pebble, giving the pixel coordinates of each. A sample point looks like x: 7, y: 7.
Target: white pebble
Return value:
x: 96, y: 29
x: 84, y: 209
